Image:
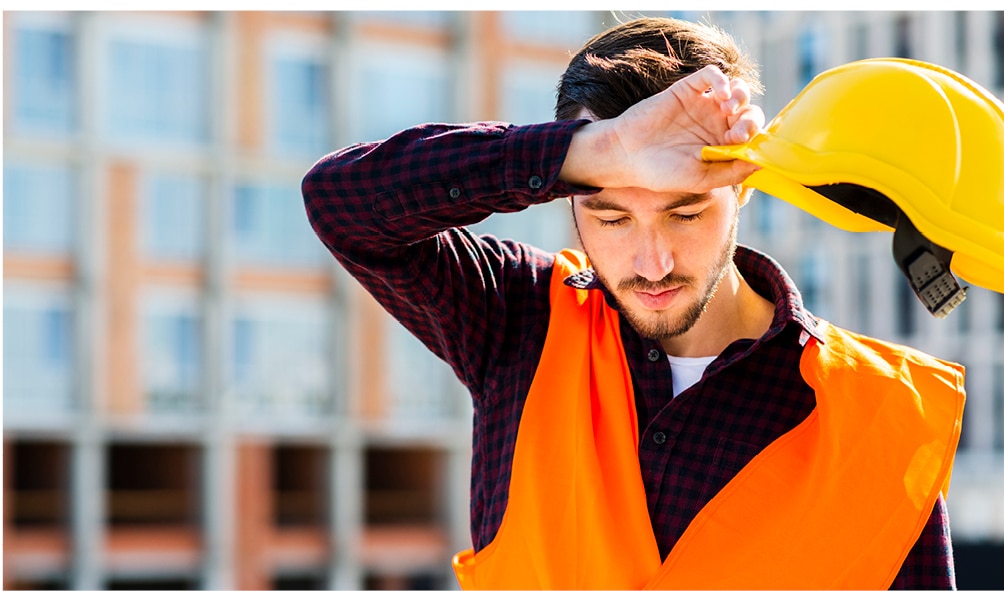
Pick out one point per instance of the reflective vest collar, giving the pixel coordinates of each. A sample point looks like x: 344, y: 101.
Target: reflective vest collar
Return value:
x: 765, y: 275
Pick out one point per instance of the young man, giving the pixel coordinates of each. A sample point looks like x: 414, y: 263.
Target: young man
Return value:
x: 663, y: 412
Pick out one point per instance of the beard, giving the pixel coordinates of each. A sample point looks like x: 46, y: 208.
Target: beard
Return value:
x: 662, y: 324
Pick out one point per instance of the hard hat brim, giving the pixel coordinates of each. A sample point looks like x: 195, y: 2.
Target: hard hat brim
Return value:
x: 974, y: 263
x: 773, y: 182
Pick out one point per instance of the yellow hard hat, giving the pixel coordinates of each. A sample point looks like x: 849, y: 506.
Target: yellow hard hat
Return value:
x: 891, y: 144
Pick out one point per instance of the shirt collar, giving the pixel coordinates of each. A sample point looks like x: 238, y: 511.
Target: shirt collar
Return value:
x: 764, y: 274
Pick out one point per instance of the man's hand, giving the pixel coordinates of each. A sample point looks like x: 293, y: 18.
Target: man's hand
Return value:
x: 656, y: 144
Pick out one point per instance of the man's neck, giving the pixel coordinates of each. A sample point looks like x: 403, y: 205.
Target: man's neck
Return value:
x: 734, y: 312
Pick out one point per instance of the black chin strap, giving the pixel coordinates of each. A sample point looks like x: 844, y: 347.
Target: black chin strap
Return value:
x: 926, y: 265
x: 928, y: 268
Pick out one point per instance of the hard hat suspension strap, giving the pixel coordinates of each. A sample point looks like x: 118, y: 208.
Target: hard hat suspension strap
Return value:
x: 861, y: 200
x: 927, y: 267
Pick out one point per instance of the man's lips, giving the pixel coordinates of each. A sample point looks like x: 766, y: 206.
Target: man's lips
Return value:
x: 657, y: 300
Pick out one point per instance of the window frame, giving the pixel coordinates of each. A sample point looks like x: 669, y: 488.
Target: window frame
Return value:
x: 286, y: 45
x: 39, y: 21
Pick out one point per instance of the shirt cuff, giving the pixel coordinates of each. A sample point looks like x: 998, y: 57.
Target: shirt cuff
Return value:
x: 534, y: 157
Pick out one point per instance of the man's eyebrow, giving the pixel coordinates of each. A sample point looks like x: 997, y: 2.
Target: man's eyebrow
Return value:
x: 688, y: 199
x: 601, y: 204
x: 596, y: 203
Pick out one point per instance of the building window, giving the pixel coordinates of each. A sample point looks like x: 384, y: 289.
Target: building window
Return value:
x: 903, y: 37
x: 152, y: 485
x: 859, y: 40
x: 418, y: 379
x: 811, y: 52
x: 38, y: 352
x: 548, y: 226
x: 45, y: 79
x: 775, y: 55
x: 696, y: 15
x: 270, y: 228
x: 38, y: 209
x: 38, y: 485
x: 998, y: 42
x: 300, y: 105
x: 963, y: 314
x: 965, y: 435
x: 1000, y: 312
x: 157, y: 88
x: 814, y: 269
x: 299, y: 486
x: 141, y: 581
x: 906, y: 304
x: 173, y: 217
x: 172, y: 356
x: 529, y: 93
x: 961, y: 41
x: 281, y: 358
x: 862, y: 291
x: 565, y: 28
x: 401, y: 488
x: 400, y: 89
x: 769, y: 214
x: 998, y: 407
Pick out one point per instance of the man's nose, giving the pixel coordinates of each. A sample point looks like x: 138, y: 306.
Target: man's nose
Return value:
x: 653, y: 258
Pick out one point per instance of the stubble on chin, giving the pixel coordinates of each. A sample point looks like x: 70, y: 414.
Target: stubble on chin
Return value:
x: 662, y: 324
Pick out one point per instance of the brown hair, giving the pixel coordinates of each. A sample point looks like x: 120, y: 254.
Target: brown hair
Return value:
x: 637, y: 59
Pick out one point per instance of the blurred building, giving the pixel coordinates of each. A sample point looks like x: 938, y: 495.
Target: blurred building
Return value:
x: 197, y: 396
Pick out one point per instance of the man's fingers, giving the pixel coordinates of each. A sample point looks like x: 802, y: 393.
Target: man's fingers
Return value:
x: 745, y: 125
x: 753, y: 113
x: 705, y: 78
x: 740, y: 133
x: 740, y: 96
x: 724, y: 174
x: 743, y: 119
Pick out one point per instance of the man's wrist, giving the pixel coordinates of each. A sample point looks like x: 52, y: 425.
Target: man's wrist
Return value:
x: 591, y: 158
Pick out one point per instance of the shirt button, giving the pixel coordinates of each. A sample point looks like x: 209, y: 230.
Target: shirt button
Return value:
x: 659, y: 437
x: 536, y: 182
x: 653, y: 355
x: 454, y: 193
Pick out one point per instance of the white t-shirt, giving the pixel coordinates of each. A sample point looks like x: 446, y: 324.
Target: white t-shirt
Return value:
x: 687, y: 371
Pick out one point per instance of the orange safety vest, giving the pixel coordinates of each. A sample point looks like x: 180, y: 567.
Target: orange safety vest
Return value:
x: 837, y: 502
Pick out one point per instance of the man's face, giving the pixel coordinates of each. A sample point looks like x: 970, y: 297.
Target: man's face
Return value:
x: 661, y: 255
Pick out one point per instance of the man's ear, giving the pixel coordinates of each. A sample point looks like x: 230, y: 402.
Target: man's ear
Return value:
x: 744, y: 193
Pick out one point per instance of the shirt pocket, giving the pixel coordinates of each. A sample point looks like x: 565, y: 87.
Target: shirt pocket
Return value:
x: 731, y: 456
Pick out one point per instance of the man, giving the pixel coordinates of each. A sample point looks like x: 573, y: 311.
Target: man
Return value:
x: 664, y: 412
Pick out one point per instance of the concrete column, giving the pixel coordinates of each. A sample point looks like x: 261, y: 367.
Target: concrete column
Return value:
x: 218, y: 472
x: 347, y: 511
x: 458, y: 496
x: 465, y: 71
x: 935, y: 37
x: 345, y: 477
x: 87, y: 471
x: 87, y: 508
x: 342, y: 91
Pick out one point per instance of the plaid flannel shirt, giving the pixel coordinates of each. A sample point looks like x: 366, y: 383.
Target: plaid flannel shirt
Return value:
x: 393, y: 213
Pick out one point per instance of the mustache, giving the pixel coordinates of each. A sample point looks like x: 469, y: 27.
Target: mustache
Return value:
x: 639, y: 283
